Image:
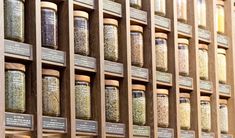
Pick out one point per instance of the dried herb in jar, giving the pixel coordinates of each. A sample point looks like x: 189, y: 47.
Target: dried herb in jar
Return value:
x: 185, y: 111
x: 160, y: 7
x: 220, y: 16
x: 136, y: 4
x: 223, y: 109
x: 182, y: 10
x: 205, y: 114
x: 183, y: 53
x: 161, y: 51
x: 203, y: 61
x: 222, y: 65
x: 162, y: 108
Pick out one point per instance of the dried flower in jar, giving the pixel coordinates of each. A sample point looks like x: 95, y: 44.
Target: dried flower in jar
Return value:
x: 203, y: 61
x: 183, y: 56
x: 223, y: 109
x: 162, y: 108
x: 185, y: 111
x: 161, y: 51
x: 205, y: 113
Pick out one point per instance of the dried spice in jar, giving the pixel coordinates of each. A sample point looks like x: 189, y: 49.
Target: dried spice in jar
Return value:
x: 51, y: 92
x: 138, y: 104
x: 82, y: 97
x: 201, y: 10
x: 15, y: 87
x: 222, y: 65
x: 182, y: 10
x: 160, y: 7
x: 185, y: 111
x: 205, y: 113
x: 14, y: 20
x: 220, y: 16
x: 203, y: 61
x: 81, y: 33
x: 162, y: 108
x: 223, y: 110
x: 49, y: 25
x: 137, y: 46
x: 112, y: 101
x: 110, y: 39
x: 183, y: 56
x: 136, y: 4
x: 161, y: 51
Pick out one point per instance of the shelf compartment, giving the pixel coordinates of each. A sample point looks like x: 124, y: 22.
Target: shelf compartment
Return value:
x: 112, y: 8
x: 222, y: 41
x: 165, y: 133
x: 115, y: 129
x: 53, y: 57
x: 113, y: 68
x: 204, y: 35
x: 226, y: 136
x: 138, y: 16
x: 206, y: 87
x: 140, y: 74
x: 85, y: 63
x: 208, y: 135
x: 49, y: 135
x: 89, y: 4
x: 164, y: 78
x: 54, y: 124
x: 141, y: 131
x: 186, y: 83
x: 162, y: 23
x: 86, y: 127
x: 184, y: 30
x: 187, y: 134
x: 225, y: 90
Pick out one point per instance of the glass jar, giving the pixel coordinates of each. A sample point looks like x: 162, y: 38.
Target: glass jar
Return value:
x: 183, y: 56
x: 201, y: 10
x: 49, y: 25
x: 185, y: 111
x: 82, y: 97
x: 163, y: 108
x: 110, y: 39
x: 15, y: 87
x: 205, y: 113
x: 223, y: 109
x: 112, y: 101
x: 182, y: 10
x: 14, y: 20
x: 138, y: 104
x: 137, y: 46
x: 136, y: 4
x: 203, y: 61
x: 222, y: 65
x: 81, y: 33
x: 51, y: 92
x: 161, y: 51
x: 220, y: 16
x: 160, y: 7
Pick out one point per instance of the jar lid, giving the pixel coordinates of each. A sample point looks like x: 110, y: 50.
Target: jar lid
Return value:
x: 223, y: 101
x: 137, y: 28
x: 112, y: 82
x: 185, y: 95
x: 162, y: 91
x: 138, y: 87
x: 81, y: 14
x: 205, y: 98
x: 82, y: 78
x: 161, y: 35
x: 221, y: 51
x: 110, y: 21
x: 220, y: 2
x: 203, y: 46
x: 45, y: 4
x: 15, y: 66
x: 183, y: 41
x: 50, y: 72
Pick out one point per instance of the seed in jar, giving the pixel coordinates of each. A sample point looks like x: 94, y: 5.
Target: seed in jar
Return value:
x: 139, y: 110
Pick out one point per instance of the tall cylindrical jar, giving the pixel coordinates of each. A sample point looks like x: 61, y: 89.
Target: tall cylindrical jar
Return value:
x: 137, y: 46
x: 81, y: 33
x: 185, y: 111
x: 205, y: 114
x: 161, y: 51
x: 49, y: 25
x: 110, y: 39
x: 51, y: 92
x: 160, y: 7
x: 14, y: 20
x: 220, y: 16
x: 112, y: 104
x: 136, y: 4
x: 82, y: 97
x: 182, y: 10
x: 15, y: 89
x: 163, y: 108
x: 222, y: 65
x: 183, y: 54
x: 223, y: 109
x: 201, y: 10
x: 203, y: 61
x: 138, y: 104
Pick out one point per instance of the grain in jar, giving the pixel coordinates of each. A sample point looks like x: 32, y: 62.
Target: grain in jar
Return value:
x: 223, y: 110
x: 160, y: 7
x: 81, y: 33
x: 185, y: 111
x: 182, y: 10
x: 201, y: 10
x: 220, y: 16
x: 205, y: 114
x: 112, y: 101
x: 183, y: 56
x: 82, y: 97
x: 51, y: 92
x: 15, y: 89
x: 136, y: 4
x: 14, y: 20
x: 161, y: 51
x: 203, y: 61
x: 163, y: 108
x: 49, y: 25
x: 110, y: 39
x: 222, y: 65
x: 138, y: 104
x: 137, y: 46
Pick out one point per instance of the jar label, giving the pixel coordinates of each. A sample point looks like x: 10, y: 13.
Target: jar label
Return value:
x: 86, y: 126
x: 208, y: 135
x: 141, y: 73
x: 226, y: 136
x: 53, y: 55
x: 164, y: 77
x: 222, y: 40
x: 225, y: 89
x: 85, y: 62
x: 21, y: 49
x: 186, y: 81
x: 54, y: 123
x: 141, y: 130
x: 187, y: 134
x: 204, y: 35
x: 113, y: 67
x: 113, y: 7
x: 138, y: 15
x: 115, y: 128
x: 165, y: 133
x: 162, y: 22
x: 205, y: 85
x: 19, y: 120
x: 184, y: 28
x: 87, y: 2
